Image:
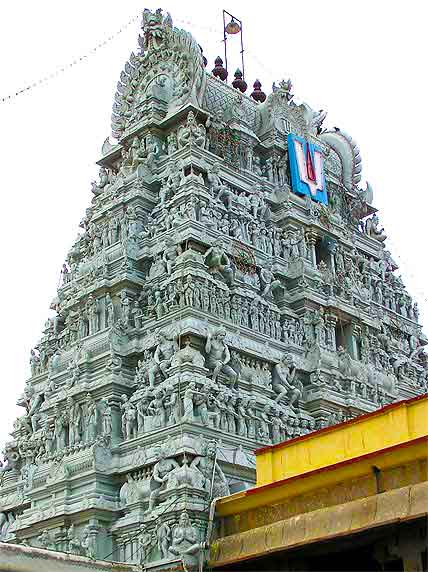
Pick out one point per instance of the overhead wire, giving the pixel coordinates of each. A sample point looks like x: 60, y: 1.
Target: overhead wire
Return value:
x: 77, y: 60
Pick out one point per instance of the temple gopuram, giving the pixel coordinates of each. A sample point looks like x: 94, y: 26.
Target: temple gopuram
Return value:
x: 229, y: 290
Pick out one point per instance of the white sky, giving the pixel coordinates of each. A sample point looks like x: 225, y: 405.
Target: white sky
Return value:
x: 364, y: 62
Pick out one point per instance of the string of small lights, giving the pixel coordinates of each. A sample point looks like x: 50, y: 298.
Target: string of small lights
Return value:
x: 78, y: 60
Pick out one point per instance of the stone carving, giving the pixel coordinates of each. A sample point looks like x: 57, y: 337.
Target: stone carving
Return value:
x: 129, y: 419
x: 185, y: 542
x: 188, y: 355
x: 214, y: 480
x: 373, y: 230
x: 268, y: 282
x: 164, y: 353
x: 284, y: 381
x: 163, y: 539
x: 193, y: 228
x: 218, y: 356
x: 218, y: 262
x: 107, y: 426
x: 145, y: 541
x: 191, y: 132
x: 7, y: 520
x: 161, y: 474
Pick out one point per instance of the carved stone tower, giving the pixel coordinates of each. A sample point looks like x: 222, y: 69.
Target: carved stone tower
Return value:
x: 230, y: 289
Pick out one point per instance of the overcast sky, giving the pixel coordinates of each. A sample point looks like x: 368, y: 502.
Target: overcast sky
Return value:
x: 364, y: 62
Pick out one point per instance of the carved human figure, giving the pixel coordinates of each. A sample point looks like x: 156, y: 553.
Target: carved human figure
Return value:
x: 89, y: 543
x: 109, y: 311
x: 145, y: 540
x: 170, y: 254
x: 173, y: 405
x: 92, y: 313
x: 129, y: 419
x: 157, y: 409
x: 33, y: 402
x: 218, y: 262
x: 45, y: 540
x: 284, y: 381
x: 185, y: 539
x: 48, y: 436
x: 34, y: 363
x: 125, y: 305
x: 106, y: 418
x: 160, y: 476
x: 91, y: 419
x: 60, y: 429
x: 214, y: 481
x: 252, y: 418
x: 152, y: 151
x: 74, y: 422
x: 189, y: 291
x: 218, y: 356
x: 163, y: 536
x: 172, y: 143
x: 224, y: 195
x: 242, y: 418
x: 189, y: 401
x: 373, y: 230
x: 74, y: 543
x: 165, y: 350
x: 213, y: 178
x: 269, y: 284
x: 191, y: 132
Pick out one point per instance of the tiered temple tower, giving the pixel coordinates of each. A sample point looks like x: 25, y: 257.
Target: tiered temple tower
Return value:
x: 230, y: 288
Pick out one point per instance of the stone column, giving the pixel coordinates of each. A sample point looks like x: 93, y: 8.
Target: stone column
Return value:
x: 330, y: 322
x: 356, y: 333
x: 311, y: 239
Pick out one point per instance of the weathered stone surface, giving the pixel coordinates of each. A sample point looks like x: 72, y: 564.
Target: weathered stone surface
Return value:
x: 204, y: 310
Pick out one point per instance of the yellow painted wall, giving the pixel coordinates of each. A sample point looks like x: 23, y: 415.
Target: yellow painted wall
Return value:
x: 395, y: 425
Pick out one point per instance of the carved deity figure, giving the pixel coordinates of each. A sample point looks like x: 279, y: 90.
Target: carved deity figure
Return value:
x: 189, y: 401
x: 218, y: 356
x: 218, y: 262
x: 185, y: 542
x: 91, y: 419
x: 106, y: 417
x: 214, y: 481
x: 60, y: 429
x: 188, y: 355
x: 170, y: 254
x: 89, y: 543
x: 33, y: 402
x: 153, y: 29
x: 191, y: 132
x: 213, y: 178
x: 163, y: 537
x: 284, y: 381
x: 269, y: 283
x: 373, y: 230
x: 161, y: 474
x: 165, y: 350
x: 74, y: 422
x: 145, y: 541
x: 129, y: 419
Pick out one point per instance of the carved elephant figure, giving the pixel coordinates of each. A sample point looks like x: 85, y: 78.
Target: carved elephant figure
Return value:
x: 349, y: 367
x: 385, y: 380
x: 92, y: 265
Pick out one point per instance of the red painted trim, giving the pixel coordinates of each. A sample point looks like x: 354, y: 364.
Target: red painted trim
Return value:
x: 334, y: 466
x: 339, y: 425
